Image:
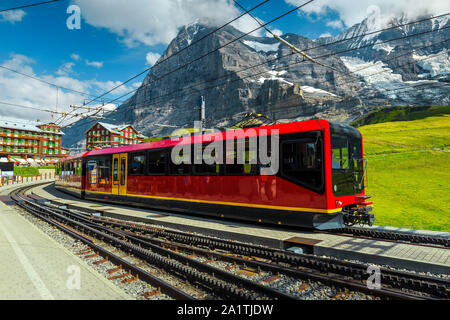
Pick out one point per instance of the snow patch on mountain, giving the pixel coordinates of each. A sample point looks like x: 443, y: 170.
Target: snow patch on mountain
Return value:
x: 275, y: 75
x: 435, y: 64
x: 440, y: 21
x: 258, y: 46
x: 384, y: 79
x: 383, y: 46
x: 316, y: 91
x: 376, y: 73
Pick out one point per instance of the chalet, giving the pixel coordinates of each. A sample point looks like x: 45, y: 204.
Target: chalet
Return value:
x: 106, y: 135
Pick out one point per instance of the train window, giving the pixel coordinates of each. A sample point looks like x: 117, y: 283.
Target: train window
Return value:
x: 78, y: 167
x: 346, y: 164
x: 92, y: 172
x: 99, y: 171
x: 208, y: 163
x: 123, y: 176
x: 104, y: 166
x: 302, y: 162
x: 339, y: 152
x: 182, y: 168
x: 136, y: 164
x: 243, y: 158
x: 157, y: 162
x: 116, y: 170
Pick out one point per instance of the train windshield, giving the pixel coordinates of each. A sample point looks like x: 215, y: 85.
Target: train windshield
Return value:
x: 347, y: 162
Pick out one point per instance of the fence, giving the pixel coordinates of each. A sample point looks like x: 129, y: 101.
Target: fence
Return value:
x: 21, y: 179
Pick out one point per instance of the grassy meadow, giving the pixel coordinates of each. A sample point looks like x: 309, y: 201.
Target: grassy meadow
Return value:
x: 409, y: 168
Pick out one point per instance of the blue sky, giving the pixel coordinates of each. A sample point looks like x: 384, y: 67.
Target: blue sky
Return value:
x: 43, y: 36
x: 116, y: 36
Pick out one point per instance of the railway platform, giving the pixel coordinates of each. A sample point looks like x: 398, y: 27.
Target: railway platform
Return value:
x: 36, y: 267
x: 395, y: 254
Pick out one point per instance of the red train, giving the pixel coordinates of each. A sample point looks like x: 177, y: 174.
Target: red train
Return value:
x: 319, y: 181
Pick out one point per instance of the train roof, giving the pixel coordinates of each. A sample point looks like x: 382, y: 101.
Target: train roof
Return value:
x: 284, y: 128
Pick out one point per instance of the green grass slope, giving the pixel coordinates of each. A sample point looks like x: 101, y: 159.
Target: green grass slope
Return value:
x: 409, y: 170
x: 389, y: 114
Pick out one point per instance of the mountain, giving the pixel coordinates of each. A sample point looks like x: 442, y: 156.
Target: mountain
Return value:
x: 418, y: 58
x: 283, y: 85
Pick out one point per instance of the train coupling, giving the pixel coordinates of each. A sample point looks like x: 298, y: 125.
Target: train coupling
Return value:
x: 360, y: 212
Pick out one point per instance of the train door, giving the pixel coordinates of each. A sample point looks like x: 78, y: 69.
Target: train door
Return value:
x: 123, y: 157
x: 115, y: 174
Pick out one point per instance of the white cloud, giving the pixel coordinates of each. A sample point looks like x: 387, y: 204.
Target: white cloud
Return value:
x: 335, y: 24
x: 352, y: 12
x: 324, y: 35
x: 66, y: 69
x: 152, y: 57
x: 18, y: 89
x: 75, y: 56
x: 95, y: 64
x: 12, y: 16
x: 157, y: 21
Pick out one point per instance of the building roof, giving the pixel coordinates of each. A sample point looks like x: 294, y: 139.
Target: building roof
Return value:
x: 25, y: 126
x: 113, y: 128
x: 11, y: 124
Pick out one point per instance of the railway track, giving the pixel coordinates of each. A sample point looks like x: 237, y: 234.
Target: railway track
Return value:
x: 390, y: 236
x: 290, y: 263
x: 178, y: 252
x: 395, y: 236
x: 44, y: 215
x: 219, y: 283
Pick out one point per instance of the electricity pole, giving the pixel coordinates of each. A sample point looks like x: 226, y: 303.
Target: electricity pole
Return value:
x: 202, y: 117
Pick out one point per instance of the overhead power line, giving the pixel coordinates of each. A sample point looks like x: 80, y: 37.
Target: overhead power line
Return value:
x: 173, y: 55
x: 293, y: 48
x: 433, y: 84
x: 271, y: 60
x: 29, y: 5
x: 292, y: 53
x: 50, y: 83
x: 201, y: 57
x: 323, y: 56
x: 46, y: 109
x: 178, y: 52
x: 279, y: 68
